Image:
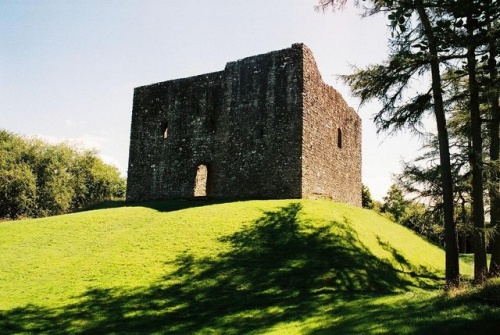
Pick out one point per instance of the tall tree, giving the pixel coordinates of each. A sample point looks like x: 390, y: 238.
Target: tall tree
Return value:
x: 472, y: 11
x: 493, y: 97
x: 451, y: 240
x: 475, y: 33
x: 390, y: 82
x: 447, y: 32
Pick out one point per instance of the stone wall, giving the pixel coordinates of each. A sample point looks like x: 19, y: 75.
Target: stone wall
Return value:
x: 243, y: 123
x: 260, y: 129
x: 331, y: 158
x: 259, y: 143
x: 162, y: 167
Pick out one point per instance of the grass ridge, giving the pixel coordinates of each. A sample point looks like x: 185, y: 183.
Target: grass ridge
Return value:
x: 283, y: 266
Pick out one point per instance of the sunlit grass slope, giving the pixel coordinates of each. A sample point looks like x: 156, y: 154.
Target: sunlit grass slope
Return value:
x: 287, y: 266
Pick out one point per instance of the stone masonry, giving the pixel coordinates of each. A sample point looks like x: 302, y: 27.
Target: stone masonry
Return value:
x: 266, y: 127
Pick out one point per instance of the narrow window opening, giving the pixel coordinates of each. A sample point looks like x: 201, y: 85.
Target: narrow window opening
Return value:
x: 201, y: 184
x: 213, y: 125
x: 260, y: 133
x: 165, y: 131
x: 339, y: 138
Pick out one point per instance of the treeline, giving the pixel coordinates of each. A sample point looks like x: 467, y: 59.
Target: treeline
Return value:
x: 424, y: 219
x: 38, y: 179
x: 444, y: 60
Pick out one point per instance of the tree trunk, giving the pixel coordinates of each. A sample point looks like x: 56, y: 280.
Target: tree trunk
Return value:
x: 450, y: 229
x: 494, y: 186
x: 476, y: 160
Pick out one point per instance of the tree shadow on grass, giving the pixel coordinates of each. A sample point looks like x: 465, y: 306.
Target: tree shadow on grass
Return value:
x: 410, y: 314
x: 276, y: 269
x: 421, y: 274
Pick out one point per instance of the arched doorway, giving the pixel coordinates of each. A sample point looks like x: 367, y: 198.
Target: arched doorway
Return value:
x: 202, y: 181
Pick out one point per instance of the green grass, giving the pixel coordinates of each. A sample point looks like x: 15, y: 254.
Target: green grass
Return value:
x: 194, y: 267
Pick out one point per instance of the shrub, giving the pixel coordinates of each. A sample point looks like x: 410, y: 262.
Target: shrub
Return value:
x: 39, y: 179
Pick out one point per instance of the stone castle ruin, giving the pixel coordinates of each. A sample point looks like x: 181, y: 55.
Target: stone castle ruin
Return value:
x: 266, y: 127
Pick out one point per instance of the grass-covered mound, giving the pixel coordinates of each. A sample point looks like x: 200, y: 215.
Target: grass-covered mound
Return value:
x: 242, y: 267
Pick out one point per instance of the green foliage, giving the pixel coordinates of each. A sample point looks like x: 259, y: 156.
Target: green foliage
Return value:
x: 422, y: 220
x: 38, y: 179
x: 395, y: 203
x: 196, y: 267
x: 414, y: 215
x: 366, y: 197
x: 17, y: 192
x: 94, y: 181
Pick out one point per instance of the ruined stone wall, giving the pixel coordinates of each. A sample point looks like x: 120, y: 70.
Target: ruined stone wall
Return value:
x: 264, y: 127
x: 244, y: 124
x: 187, y: 109
x: 259, y: 145
x: 331, y: 158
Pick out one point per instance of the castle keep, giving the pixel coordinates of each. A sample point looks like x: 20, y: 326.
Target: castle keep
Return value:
x: 265, y: 127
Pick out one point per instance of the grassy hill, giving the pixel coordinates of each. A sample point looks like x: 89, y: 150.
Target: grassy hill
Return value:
x: 194, y: 267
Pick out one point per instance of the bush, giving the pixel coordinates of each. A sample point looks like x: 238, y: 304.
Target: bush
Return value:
x: 17, y: 192
x: 38, y: 179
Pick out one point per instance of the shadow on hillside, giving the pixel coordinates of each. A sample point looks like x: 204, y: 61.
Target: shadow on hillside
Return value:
x: 276, y: 269
x: 410, y: 315
x: 420, y: 272
x: 170, y: 205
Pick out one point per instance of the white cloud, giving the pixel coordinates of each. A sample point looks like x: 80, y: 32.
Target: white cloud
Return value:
x: 87, y: 141
x: 69, y: 123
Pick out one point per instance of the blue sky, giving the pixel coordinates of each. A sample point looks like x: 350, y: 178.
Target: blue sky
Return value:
x: 68, y: 68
